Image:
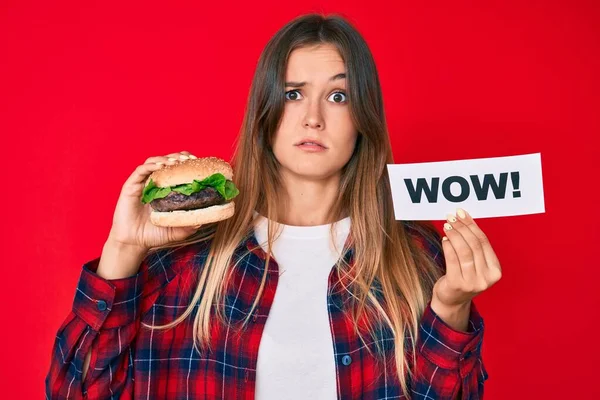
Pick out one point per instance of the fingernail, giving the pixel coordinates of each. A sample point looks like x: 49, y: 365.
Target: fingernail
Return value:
x: 193, y: 157
x: 450, y: 218
x: 159, y: 163
x: 444, y: 239
x: 461, y: 212
x: 183, y: 157
x: 447, y: 226
x: 172, y: 159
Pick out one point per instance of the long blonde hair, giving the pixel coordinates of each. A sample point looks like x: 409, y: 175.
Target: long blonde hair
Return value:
x: 383, y: 252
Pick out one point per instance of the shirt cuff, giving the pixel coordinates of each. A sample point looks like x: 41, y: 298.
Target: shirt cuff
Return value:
x: 447, y: 347
x: 106, y: 303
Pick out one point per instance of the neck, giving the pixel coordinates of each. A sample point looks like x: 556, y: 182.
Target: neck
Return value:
x: 307, y: 202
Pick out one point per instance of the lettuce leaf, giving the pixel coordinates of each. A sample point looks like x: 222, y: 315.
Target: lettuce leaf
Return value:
x: 218, y: 181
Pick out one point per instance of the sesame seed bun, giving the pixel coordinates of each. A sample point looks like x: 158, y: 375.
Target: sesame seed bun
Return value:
x: 188, y: 170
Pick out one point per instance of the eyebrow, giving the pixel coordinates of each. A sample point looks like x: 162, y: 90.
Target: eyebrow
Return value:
x: 300, y: 84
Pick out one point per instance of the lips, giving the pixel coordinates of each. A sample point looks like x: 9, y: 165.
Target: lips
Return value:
x: 309, y: 141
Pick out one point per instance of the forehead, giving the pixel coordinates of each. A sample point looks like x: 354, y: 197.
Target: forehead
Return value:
x: 314, y: 63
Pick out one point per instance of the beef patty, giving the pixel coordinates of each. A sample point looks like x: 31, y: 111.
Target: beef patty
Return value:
x: 177, y: 201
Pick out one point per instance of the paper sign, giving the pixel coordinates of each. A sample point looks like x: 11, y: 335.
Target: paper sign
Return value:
x: 485, y: 187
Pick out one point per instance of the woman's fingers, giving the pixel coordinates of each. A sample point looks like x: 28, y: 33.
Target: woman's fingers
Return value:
x: 160, y: 160
x: 466, y: 239
x: 453, y: 271
x: 464, y: 249
x: 172, y: 157
x: 142, y: 172
x: 490, y: 256
x: 180, y: 156
x: 470, y: 249
x: 464, y: 259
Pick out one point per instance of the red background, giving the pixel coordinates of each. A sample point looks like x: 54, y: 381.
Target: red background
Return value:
x: 88, y: 92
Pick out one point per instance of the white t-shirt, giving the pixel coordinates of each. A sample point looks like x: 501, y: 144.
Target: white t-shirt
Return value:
x: 295, y: 357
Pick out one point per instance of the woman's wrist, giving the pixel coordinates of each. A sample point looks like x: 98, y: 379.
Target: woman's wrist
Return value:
x: 120, y: 260
x: 455, y: 316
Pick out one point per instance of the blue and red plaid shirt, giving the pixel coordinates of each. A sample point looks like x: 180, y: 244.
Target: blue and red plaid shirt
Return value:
x: 132, y: 362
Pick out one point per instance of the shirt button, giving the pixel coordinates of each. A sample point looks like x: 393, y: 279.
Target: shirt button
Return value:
x: 101, y: 305
x: 346, y: 360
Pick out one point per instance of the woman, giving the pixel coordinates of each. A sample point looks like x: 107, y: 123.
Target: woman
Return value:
x: 259, y: 305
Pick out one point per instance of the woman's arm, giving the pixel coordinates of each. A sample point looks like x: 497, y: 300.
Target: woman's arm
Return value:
x: 102, y: 325
x: 449, y: 362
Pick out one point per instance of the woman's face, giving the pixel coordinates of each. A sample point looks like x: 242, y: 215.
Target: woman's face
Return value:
x: 316, y: 109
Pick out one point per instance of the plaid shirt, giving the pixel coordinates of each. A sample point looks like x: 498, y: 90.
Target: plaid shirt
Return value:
x: 131, y: 362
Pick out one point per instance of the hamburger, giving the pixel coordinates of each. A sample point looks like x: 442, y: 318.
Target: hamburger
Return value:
x: 191, y: 192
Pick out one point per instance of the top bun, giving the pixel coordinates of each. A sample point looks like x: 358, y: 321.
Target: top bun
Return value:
x: 188, y: 170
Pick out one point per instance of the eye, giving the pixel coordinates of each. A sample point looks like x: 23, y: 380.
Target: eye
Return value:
x: 338, y: 97
x: 292, y: 94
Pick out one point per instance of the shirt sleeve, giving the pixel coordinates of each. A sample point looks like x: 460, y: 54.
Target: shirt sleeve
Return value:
x: 449, y: 363
x: 104, y: 319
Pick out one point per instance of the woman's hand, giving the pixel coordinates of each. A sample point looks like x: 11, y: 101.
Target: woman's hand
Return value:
x: 471, y: 268
x: 132, y: 233
x: 131, y: 226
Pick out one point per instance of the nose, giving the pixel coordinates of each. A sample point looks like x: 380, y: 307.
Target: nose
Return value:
x: 314, y: 116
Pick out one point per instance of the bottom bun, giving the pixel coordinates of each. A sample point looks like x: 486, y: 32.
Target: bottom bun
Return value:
x: 192, y: 217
